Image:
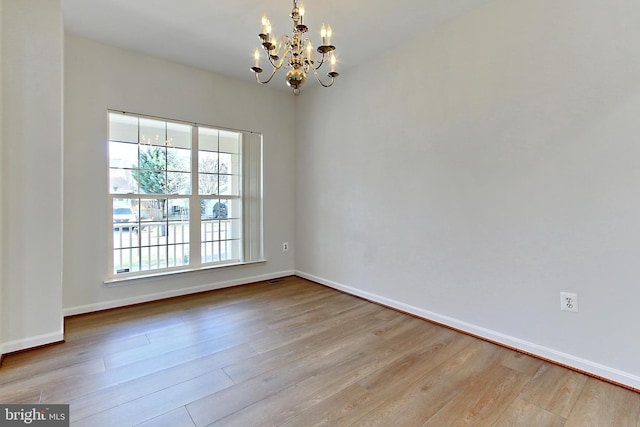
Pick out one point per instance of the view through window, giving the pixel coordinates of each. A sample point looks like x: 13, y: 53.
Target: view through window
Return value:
x: 177, y: 194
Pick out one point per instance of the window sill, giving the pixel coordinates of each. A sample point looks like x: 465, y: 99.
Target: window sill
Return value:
x: 142, y: 278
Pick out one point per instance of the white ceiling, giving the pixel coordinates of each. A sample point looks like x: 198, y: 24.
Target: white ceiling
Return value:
x: 220, y: 35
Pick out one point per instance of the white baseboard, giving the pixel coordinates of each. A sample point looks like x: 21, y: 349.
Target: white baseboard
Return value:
x: 31, y: 342
x: 575, y: 362
x: 70, y: 311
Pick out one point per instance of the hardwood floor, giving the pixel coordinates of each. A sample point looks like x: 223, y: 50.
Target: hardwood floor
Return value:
x: 295, y: 353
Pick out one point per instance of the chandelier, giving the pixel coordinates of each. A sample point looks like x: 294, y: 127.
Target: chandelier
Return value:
x: 296, y: 52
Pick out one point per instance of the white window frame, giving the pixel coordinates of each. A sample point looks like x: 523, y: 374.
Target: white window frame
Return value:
x: 250, y: 197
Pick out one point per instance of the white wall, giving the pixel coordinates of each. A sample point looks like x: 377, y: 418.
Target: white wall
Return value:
x: 100, y: 77
x: 476, y: 172
x: 31, y: 274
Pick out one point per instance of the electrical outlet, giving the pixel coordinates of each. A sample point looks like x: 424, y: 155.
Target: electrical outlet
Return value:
x: 569, y: 302
x: 285, y: 246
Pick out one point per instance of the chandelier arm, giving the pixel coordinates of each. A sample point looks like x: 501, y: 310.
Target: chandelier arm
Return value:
x: 279, y: 60
x: 315, y: 73
x: 322, y: 61
x: 278, y: 63
x: 273, y: 73
x: 312, y: 58
x: 272, y: 62
x: 284, y: 42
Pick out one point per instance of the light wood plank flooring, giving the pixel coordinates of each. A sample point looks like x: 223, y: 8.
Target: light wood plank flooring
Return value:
x: 295, y: 353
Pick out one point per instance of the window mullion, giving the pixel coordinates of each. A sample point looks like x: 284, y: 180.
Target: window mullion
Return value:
x: 194, y: 203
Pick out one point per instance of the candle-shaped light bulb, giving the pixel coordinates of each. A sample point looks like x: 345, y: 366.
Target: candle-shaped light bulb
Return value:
x: 268, y: 27
x: 256, y: 56
x: 333, y: 63
x: 264, y: 24
x: 329, y: 34
x: 323, y: 34
x: 309, y: 49
x: 301, y: 11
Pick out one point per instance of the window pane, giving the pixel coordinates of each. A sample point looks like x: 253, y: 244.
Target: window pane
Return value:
x: 229, y: 142
x: 153, y: 182
x: 233, y: 164
x: 153, y: 158
x: 125, y: 236
x: 153, y: 233
x: 178, y: 210
x: 125, y: 261
x: 153, y: 132
x: 151, y: 210
x: 208, y: 139
x: 125, y: 210
x: 215, y: 209
x: 232, y: 208
x: 123, y: 155
x: 233, y: 229
x: 153, y: 258
x: 208, y: 184
x: 226, y: 163
x: 229, y: 185
x: 178, y: 255
x: 178, y: 159
x: 208, y: 161
x: 123, y: 127
x: 179, y: 135
x: 178, y: 233
x: 122, y: 181
x: 178, y: 183
x: 232, y: 249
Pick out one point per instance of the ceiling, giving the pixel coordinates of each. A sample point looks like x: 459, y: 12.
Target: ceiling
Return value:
x: 221, y: 35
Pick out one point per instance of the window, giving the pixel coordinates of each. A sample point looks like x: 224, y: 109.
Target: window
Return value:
x: 182, y: 196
